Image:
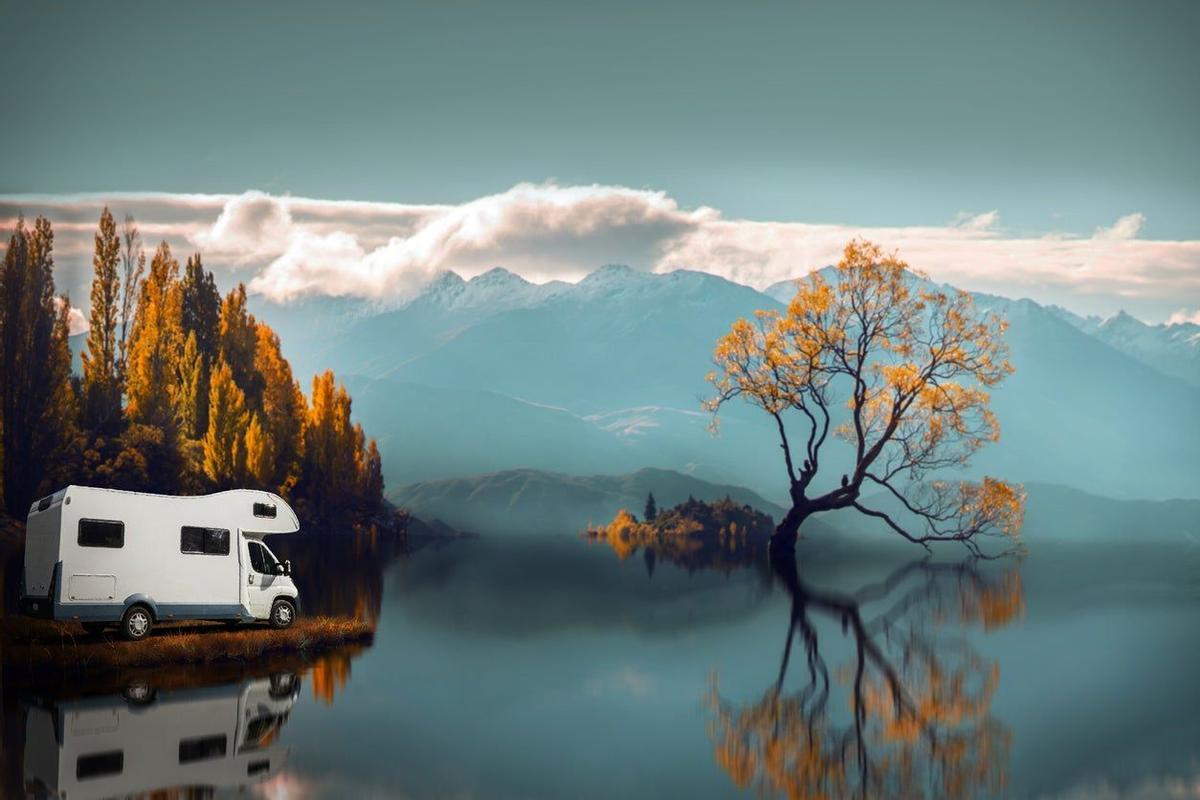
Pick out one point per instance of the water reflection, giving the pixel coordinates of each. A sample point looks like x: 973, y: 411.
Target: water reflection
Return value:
x: 915, y: 713
x: 173, y: 741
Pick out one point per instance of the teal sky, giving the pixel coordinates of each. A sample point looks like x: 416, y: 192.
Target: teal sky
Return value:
x: 1063, y: 116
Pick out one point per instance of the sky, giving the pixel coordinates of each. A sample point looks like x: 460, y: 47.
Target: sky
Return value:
x: 1042, y: 149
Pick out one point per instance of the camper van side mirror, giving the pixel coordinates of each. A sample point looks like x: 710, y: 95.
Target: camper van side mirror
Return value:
x: 285, y: 568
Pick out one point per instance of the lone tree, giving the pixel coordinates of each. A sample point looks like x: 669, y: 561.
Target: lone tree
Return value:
x: 910, y: 365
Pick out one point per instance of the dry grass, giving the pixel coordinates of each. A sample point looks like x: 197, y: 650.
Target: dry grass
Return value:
x: 39, y: 644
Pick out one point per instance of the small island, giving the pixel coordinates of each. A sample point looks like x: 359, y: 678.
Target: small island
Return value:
x: 720, y: 535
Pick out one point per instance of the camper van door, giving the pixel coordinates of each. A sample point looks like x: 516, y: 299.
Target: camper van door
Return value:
x: 260, y: 577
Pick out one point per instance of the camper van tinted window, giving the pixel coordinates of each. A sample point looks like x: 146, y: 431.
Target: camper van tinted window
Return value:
x: 213, y: 541
x: 256, y: 557
x: 264, y: 510
x: 202, y: 748
x: 98, y: 765
x: 101, y: 533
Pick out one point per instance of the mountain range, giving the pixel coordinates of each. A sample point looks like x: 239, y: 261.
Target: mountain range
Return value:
x: 605, y: 376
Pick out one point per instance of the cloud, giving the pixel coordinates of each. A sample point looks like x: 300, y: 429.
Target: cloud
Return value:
x: 977, y: 222
x: 251, y: 227
x: 76, y: 321
x: 1183, y: 316
x: 1127, y: 227
x: 288, y: 247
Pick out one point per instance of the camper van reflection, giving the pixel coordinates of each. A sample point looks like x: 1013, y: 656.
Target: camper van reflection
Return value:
x: 105, y: 557
x: 215, y: 737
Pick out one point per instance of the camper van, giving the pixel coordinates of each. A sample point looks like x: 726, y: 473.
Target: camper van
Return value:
x: 210, y: 738
x: 103, y: 557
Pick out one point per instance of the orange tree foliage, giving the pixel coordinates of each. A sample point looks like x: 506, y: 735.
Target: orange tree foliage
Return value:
x: 913, y: 367
x: 210, y: 401
x: 721, y: 535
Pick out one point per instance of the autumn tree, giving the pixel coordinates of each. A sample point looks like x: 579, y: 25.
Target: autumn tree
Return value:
x: 200, y: 311
x: 330, y: 476
x: 237, y: 341
x: 156, y: 344
x: 193, y: 399
x: 133, y: 264
x: 912, y: 366
x: 283, y: 409
x: 225, y: 442
x: 371, y: 477
x: 651, y: 510
x: 36, y: 401
x: 101, y: 377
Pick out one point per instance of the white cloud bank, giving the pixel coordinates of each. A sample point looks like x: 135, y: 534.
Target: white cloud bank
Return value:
x: 288, y: 247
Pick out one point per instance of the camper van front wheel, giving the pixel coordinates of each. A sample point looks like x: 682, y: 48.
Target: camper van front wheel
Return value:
x: 136, y: 623
x: 283, y: 613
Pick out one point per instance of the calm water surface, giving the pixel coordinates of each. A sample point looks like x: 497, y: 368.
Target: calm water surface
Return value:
x: 551, y: 668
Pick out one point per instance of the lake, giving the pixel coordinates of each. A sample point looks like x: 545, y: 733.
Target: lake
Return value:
x: 550, y: 667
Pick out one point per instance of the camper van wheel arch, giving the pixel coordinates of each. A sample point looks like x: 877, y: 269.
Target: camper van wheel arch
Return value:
x: 283, y: 612
x: 137, y: 622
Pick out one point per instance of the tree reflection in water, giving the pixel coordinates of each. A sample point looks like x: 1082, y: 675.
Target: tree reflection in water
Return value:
x: 916, y: 720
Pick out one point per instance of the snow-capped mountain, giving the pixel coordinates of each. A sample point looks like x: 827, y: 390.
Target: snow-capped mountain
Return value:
x: 606, y: 375
x: 1172, y: 349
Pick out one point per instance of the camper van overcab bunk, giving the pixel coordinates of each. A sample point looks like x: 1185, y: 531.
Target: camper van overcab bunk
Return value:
x: 103, y: 557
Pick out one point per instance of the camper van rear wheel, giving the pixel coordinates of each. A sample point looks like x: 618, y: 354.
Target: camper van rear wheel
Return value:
x: 136, y: 623
x: 283, y: 613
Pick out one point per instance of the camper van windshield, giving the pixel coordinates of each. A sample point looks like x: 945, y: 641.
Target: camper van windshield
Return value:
x: 261, y: 559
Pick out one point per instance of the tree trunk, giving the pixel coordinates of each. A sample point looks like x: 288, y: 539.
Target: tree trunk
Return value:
x: 783, y: 540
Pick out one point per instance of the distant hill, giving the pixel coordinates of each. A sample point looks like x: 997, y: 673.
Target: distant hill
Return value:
x: 606, y: 376
x: 533, y: 501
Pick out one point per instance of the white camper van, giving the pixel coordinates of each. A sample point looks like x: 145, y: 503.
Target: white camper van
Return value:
x: 209, y: 738
x: 104, y: 557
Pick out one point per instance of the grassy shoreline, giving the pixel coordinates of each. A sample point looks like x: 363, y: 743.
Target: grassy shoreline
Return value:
x: 37, y: 645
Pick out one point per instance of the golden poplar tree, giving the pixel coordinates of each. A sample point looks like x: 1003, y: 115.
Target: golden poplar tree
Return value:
x: 238, y: 338
x: 330, y: 473
x: 224, y: 441
x: 283, y: 408
x: 101, y: 380
x: 260, y: 454
x: 156, y: 344
x: 193, y: 390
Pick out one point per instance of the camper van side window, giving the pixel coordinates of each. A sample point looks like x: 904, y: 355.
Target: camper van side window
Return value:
x: 203, y: 748
x: 264, y: 510
x: 212, y: 541
x: 101, y: 533
x: 98, y: 765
